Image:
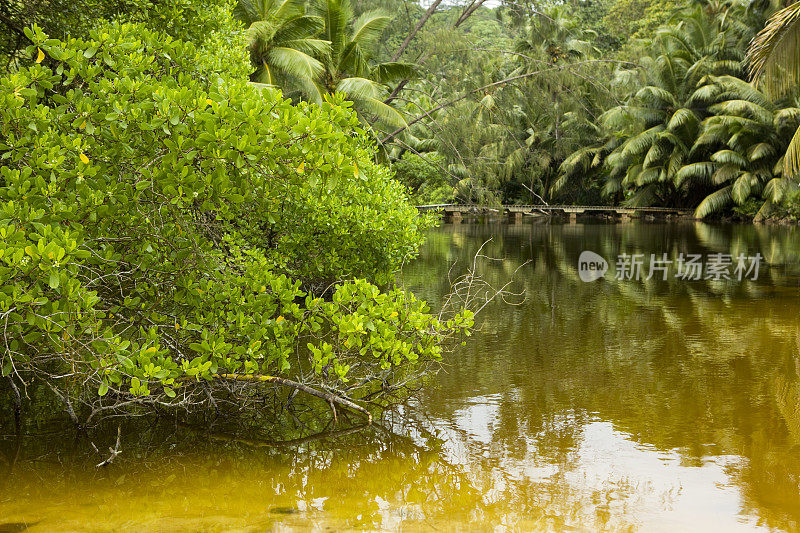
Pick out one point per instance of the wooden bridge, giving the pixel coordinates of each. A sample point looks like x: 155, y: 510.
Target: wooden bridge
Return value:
x: 454, y: 212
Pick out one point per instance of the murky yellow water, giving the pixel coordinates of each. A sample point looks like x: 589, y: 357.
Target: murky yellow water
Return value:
x: 617, y: 405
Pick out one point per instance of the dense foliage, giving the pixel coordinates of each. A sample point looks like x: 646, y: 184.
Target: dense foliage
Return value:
x: 167, y: 227
x: 629, y: 102
x: 687, y: 130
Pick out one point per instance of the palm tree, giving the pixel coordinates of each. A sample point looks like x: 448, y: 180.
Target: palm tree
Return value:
x: 739, y: 149
x: 667, y: 110
x: 774, y: 59
x: 651, y: 136
x: 556, y: 37
x: 283, y: 43
x: 347, y: 68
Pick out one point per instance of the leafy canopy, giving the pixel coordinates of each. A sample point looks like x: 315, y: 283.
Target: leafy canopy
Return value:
x: 162, y: 222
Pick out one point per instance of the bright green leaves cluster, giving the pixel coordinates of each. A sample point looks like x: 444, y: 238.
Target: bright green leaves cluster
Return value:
x: 392, y: 328
x: 159, y: 218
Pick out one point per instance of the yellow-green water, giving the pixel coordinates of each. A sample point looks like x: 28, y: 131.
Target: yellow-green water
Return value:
x: 621, y: 405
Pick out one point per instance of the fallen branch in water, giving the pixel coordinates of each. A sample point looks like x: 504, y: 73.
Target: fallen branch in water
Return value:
x: 328, y: 397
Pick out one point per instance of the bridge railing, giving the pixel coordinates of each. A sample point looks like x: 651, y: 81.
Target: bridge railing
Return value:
x: 619, y: 209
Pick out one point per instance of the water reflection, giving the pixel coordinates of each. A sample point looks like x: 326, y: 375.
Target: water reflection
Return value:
x: 612, y: 405
x: 688, y: 390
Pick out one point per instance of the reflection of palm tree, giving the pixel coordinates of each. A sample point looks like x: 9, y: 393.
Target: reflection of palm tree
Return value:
x: 678, y: 364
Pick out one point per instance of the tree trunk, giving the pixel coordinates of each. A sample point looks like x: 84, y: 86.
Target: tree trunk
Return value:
x: 416, y: 29
x: 468, y: 11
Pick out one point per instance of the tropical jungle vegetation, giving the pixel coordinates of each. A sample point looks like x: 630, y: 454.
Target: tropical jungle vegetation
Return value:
x: 594, y: 102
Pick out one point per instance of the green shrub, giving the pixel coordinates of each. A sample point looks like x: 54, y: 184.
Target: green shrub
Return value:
x: 160, y: 218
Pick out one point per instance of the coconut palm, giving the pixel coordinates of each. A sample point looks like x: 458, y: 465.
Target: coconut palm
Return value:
x: 283, y: 43
x: 738, y: 152
x: 348, y: 67
x: 650, y: 137
x: 774, y: 59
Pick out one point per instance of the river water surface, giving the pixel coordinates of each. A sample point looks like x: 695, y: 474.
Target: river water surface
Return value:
x: 653, y: 405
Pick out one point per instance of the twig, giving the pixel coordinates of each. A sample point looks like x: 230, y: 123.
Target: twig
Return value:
x: 115, y: 451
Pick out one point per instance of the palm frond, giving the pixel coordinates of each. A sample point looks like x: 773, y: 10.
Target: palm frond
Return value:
x: 740, y: 190
x: 655, y: 154
x: 335, y: 14
x: 313, y: 47
x: 729, y: 157
x: 725, y: 173
x: 777, y: 189
x: 657, y: 95
x: 356, y: 88
x: 643, y: 197
x: 681, y: 118
x: 632, y: 175
x: 648, y: 175
x: 384, y: 113
x: 392, y: 71
x: 743, y: 108
x: 698, y: 172
x: 760, y: 151
x: 774, y: 55
x: 369, y: 27
x: 298, y: 28
x: 787, y: 115
x: 714, y: 202
x: 295, y: 63
x: 611, y: 187
x: 791, y: 161
x: 639, y: 143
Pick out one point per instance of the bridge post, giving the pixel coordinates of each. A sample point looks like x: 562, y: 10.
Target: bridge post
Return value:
x: 625, y: 217
x: 514, y: 217
x: 452, y: 217
x: 573, y: 218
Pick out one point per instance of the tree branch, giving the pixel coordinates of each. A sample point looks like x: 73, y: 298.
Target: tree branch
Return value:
x: 328, y: 397
x: 416, y: 29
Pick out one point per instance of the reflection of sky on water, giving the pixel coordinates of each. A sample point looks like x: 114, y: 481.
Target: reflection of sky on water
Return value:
x: 607, y: 471
x: 659, y: 405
